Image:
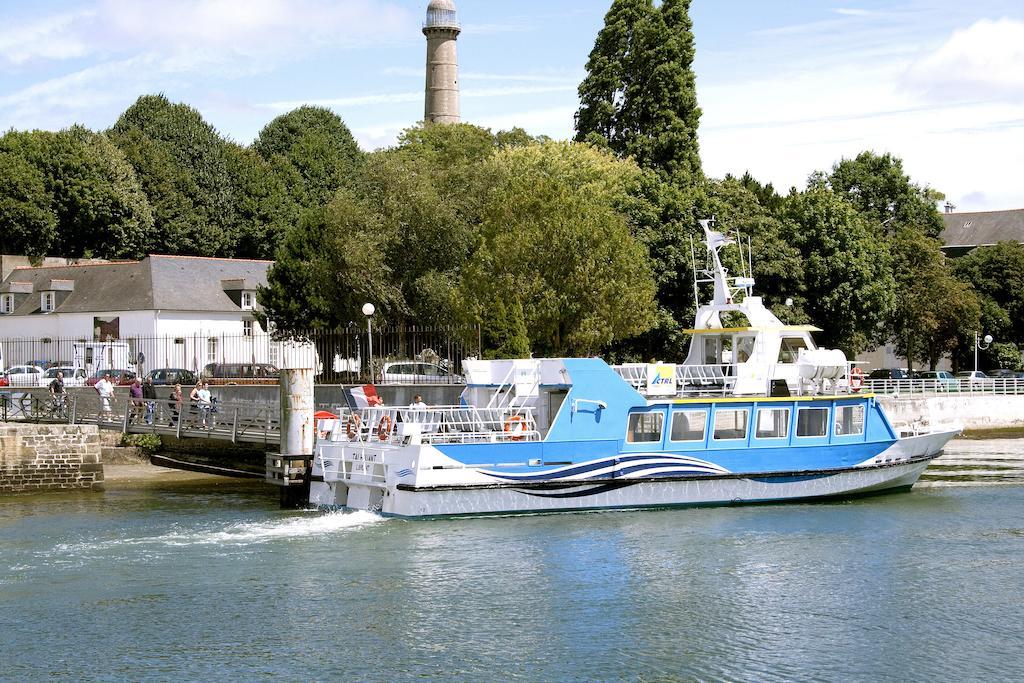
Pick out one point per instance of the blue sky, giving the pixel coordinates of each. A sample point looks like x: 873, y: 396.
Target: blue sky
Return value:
x: 787, y: 87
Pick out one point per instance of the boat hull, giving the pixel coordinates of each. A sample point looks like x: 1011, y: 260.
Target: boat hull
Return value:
x: 651, y: 493
x: 895, y: 469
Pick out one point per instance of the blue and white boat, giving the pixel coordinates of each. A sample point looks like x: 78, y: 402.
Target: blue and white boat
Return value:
x: 757, y: 413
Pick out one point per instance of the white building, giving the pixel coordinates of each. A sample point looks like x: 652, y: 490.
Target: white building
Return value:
x: 177, y: 311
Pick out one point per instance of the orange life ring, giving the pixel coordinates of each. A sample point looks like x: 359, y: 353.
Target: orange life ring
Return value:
x: 856, y: 379
x: 382, y: 431
x: 353, y: 425
x: 510, y: 425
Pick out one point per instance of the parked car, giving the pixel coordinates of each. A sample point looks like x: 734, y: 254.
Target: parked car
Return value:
x: 975, y: 378
x: 888, y: 373
x: 940, y: 379
x: 240, y: 373
x: 119, y: 377
x: 414, y: 372
x: 1004, y: 374
x: 24, y: 376
x: 171, y: 376
x: 73, y: 377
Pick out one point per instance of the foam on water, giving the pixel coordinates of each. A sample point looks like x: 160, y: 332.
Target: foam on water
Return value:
x: 238, y: 534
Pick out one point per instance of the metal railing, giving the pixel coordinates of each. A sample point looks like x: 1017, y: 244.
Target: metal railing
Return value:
x: 225, y: 420
x: 442, y: 424
x: 342, y: 353
x: 958, y: 386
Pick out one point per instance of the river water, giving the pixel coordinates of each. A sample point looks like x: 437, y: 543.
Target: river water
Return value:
x: 210, y: 581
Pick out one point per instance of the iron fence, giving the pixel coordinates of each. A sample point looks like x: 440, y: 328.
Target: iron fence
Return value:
x: 423, y: 354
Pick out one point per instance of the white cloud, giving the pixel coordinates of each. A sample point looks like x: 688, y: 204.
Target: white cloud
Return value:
x: 48, y: 38
x: 236, y: 29
x: 985, y: 60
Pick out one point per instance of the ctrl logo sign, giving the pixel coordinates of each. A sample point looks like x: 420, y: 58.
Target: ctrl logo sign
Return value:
x: 661, y: 379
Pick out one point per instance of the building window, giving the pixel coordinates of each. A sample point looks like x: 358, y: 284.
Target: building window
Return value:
x: 812, y: 422
x: 248, y: 301
x: 211, y: 350
x: 730, y: 424
x: 246, y: 328
x: 46, y: 302
x: 688, y: 425
x: 7, y: 303
x: 849, y: 420
x: 772, y: 423
x: 644, y: 427
x: 274, y: 353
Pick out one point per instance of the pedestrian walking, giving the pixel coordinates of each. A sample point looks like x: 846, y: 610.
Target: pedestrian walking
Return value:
x: 149, y: 394
x: 105, y: 389
x: 135, y: 392
x: 174, y: 403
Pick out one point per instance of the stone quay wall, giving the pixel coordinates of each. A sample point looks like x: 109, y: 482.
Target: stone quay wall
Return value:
x: 986, y: 411
x: 49, y: 457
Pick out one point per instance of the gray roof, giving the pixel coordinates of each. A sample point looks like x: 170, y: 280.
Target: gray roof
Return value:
x: 983, y: 228
x: 169, y: 283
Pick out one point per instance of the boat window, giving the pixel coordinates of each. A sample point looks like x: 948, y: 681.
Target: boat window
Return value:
x: 744, y: 349
x: 772, y: 423
x: 712, y: 350
x: 849, y: 420
x: 812, y: 422
x: 730, y: 424
x: 644, y: 427
x: 790, y: 349
x: 688, y: 425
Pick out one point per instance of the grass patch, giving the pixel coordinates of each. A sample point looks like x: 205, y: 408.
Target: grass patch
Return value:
x: 995, y: 433
x: 150, y: 443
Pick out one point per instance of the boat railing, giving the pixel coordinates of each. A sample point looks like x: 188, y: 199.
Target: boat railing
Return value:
x: 978, y: 386
x: 706, y: 379
x: 436, y: 424
x: 718, y: 378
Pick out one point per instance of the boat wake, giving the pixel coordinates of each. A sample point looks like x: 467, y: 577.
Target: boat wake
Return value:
x: 238, y: 534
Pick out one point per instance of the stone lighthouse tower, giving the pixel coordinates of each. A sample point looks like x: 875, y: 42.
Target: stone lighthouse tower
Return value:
x: 442, y: 30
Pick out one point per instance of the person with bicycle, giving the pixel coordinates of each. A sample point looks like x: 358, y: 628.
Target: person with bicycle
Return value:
x: 58, y: 394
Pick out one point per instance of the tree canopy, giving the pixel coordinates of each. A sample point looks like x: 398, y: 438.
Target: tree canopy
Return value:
x: 555, y: 244
x: 639, y: 95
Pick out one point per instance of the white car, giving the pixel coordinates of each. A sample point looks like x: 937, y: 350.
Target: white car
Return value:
x: 416, y: 372
x: 25, y: 376
x: 73, y: 377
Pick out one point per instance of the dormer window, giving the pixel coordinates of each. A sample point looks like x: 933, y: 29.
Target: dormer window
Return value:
x: 7, y: 303
x: 46, y: 302
x: 248, y: 301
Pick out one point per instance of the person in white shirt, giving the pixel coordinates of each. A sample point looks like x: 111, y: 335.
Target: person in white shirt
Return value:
x: 417, y: 403
x: 105, y: 388
x: 203, y: 400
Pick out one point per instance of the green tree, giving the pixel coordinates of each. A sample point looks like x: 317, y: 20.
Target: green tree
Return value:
x: 778, y: 267
x: 554, y: 240
x: 264, y: 208
x: 327, y: 267
x: 28, y: 224
x: 95, y: 195
x: 505, y: 326
x: 879, y: 189
x: 997, y: 275
x: 182, y: 162
x: 933, y: 309
x: 318, y: 146
x: 846, y: 268
x: 639, y: 96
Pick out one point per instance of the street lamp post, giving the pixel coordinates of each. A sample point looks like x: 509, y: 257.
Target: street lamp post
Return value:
x: 368, y: 311
x: 978, y: 346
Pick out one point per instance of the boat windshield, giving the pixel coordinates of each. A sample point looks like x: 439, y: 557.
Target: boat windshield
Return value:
x: 790, y: 349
